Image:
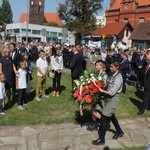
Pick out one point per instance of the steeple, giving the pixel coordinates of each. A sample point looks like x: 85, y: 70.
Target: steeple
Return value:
x: 36, y: 11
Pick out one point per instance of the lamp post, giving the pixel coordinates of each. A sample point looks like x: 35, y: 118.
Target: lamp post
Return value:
x: 27, y: 21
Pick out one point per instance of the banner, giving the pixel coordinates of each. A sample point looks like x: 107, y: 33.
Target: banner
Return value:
x: 94, y: 44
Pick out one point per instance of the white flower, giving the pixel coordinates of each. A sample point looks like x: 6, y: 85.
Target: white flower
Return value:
x: 100, y: 78
x: 89, y: 82
x: 81, y: 80
x: 91, y: 74
x: 83, y: 83
x: 81, y: 77
x: 87, y: 79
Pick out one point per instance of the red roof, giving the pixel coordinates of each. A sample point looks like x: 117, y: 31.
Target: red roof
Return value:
x: 114, y: 28
x: 117, y: 3
x: 49, y: 17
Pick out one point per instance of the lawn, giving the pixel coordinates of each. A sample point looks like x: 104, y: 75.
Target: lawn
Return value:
x: 132, y: 148
x: 63, y: 109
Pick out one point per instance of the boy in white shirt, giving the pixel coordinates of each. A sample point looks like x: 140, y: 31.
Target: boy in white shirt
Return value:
x: 2, y: 93
x: 21, y: 84
x: 42, y: 68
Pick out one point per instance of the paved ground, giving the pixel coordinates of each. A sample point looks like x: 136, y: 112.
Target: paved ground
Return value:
x: 72, y: 137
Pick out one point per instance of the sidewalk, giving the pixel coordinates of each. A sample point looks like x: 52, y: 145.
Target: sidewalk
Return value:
x: 72, y: 137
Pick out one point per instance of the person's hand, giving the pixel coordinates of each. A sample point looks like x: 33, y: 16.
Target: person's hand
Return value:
x: 100, y: 90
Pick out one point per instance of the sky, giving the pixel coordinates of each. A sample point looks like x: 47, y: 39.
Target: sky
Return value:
x: 20, y: 6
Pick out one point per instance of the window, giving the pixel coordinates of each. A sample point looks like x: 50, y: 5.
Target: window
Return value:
x: 59, y: 34
x: 16, y: 30
x: 36, y: 32
x: 126, y: 19
x: 127, y: 32
x: 142, y: 19
x: 54, y: 33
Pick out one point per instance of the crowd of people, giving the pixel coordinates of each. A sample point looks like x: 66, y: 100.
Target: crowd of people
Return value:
x: 116, y: 65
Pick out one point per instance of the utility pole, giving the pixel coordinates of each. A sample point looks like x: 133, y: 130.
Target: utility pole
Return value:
x: 27, y: 21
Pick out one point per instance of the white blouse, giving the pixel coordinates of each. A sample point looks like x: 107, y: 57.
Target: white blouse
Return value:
x: 56, y: 63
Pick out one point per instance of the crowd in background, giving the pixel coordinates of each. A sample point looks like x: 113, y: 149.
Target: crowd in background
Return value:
x: 132, y: 62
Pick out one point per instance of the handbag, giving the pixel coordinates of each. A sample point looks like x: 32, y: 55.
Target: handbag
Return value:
x: 51, y: 74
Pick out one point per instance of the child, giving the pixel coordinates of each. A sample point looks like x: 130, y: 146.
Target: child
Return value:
x: 42, y: 68
x: 2, y: 93
x: 21, y: 84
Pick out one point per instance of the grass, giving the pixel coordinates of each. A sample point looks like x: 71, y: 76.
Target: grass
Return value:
x: 63, y: 109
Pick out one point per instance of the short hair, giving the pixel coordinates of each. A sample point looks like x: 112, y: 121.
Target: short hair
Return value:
x: 116, y: 64
x: 4, y: 51
x: 42, y: 51
x: 13, y: 44
x: 148, y: 52
x: 102, y: 62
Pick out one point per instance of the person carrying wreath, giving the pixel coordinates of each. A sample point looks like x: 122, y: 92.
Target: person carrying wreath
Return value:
x: 114, y: 87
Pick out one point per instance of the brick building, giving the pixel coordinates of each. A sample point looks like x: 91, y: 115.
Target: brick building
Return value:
x: 123, y: 16
x: 133, y: 11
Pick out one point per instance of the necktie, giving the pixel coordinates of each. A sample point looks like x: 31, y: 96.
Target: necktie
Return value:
x: 147, y: 68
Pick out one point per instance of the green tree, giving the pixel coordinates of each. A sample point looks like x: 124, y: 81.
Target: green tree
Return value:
x: 79, y: 15
x: 6, y: 15
x: 52, y: 24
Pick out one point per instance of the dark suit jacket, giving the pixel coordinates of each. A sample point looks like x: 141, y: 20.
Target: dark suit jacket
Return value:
x: 135, y: 60
x: 77, y: 65
x: 16, y: 59
x: 147, y: 79
x: 125, y: 67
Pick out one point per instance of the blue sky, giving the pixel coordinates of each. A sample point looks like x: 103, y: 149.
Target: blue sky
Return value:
x: 19, y: 6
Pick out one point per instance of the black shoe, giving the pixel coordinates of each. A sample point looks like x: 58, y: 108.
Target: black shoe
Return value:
x: 92, y: 127
x: 140, y: 112
x: 118, y: 135
x: 98, y: 142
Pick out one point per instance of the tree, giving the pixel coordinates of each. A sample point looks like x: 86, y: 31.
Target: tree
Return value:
x: 6, y: 15
x: 52, y: 24
x: 79, y: 15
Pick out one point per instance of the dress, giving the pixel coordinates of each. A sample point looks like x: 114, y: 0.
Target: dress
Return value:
x: 7, y: 69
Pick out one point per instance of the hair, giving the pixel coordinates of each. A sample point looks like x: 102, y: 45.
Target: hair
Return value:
x: 102, y: 62
x: 148, y: 52
x: 42, y: 51
x: 5, y: 50
x: 116, y: 64
x: 13, y: 44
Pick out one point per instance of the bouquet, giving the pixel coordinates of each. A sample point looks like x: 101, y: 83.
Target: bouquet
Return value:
x: 86, y: 89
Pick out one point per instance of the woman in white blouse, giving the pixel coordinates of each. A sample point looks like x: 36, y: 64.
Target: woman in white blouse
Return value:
x: 57, y: 67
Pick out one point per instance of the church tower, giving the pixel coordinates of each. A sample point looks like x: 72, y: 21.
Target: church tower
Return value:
x: 36, y: 11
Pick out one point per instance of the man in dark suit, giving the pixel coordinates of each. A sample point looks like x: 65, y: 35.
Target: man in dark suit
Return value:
x: 146, y: 100
x: 134, y: 64
x: 76, y: 64
x: 15, y: 56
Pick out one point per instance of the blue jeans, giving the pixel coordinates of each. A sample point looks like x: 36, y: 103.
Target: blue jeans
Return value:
x: 1, y: 107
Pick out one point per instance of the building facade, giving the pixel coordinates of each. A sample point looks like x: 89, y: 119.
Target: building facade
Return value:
x: 36, y: 33
x: 101, y: 21
x: 133, y: 11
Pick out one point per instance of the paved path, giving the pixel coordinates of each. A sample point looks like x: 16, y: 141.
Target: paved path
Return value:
x: 72, y: 137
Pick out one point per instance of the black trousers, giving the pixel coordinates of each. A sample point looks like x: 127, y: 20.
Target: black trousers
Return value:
x: 56, y: 81
x: 146, y: 100
x: 21, y: 96
x: 104, y: 126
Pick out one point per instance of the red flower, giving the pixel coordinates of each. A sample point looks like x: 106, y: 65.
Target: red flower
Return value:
x: 79, y: 98
x: 87, y: 92
x: 88, y: 99
x: 95, y: 90
x: 83, y: 88
x: 91, y: 85
x: 76, y: 93
x: 100, y: 84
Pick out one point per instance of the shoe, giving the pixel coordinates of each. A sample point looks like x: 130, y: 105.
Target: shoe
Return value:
x: 20, y: 107
x: 98, y: 142
x: 24, y: 104
x: 92, y: 127
x: 140, y: 112
x: 37, y: 98
x: 2, y: 113
x: 45, y: 96
x: 57, y: 94
x: 54, y: 93
x: 118, y: 135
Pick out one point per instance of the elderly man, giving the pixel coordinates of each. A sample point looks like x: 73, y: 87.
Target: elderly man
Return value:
x: 146, y: 100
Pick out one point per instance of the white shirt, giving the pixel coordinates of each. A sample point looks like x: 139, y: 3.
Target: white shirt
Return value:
x: 2, y: 90
x: 56, y: 64
x: 42, y: 64
x: 22, y: 79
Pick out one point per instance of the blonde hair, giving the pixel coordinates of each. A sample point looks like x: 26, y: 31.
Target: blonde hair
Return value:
x: 4, y: 51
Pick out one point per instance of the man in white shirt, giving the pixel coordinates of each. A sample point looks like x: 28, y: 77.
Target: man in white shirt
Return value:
x: 42, y: 68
